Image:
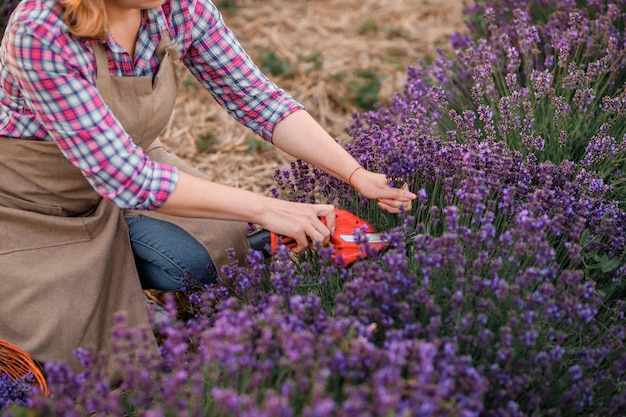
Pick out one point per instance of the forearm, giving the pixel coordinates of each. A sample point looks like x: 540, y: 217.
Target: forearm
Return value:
x: 201, y: 198
x: 302, y: 137
x: 198, y: 197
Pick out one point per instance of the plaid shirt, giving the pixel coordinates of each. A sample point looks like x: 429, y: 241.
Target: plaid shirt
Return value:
x: 47, y: 91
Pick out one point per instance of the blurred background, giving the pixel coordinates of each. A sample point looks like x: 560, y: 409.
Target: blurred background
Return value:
x: 334, y: 56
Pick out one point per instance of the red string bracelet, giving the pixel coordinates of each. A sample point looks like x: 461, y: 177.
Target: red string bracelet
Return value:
x: 352, y: 173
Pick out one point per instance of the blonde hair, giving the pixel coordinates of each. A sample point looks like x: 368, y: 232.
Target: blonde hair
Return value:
x: 85, y: 18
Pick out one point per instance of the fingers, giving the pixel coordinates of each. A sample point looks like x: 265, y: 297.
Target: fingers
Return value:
x: 400, y: 201
x: 323, y: 224
x: 317, y: 227
x: 326, y: 214
x: 395, y: 207
x: 376, y: 186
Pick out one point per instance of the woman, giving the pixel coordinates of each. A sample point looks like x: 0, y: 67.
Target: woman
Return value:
x: 92, y: 207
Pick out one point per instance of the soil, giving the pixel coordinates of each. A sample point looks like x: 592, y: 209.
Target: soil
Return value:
x: 322, y: 48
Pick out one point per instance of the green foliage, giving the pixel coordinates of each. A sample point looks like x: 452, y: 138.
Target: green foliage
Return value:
x: 256, y: 145
x: 368, y: 27
x: 397, y: 32
x: 205, y: 141
x: 229, y: 6
x: 365, y: 89
x: 190, y: 83
x: 272, y: 64
x: 316, y: 59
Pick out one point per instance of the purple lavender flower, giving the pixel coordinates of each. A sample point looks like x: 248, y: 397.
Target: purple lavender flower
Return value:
x: 15, y: 391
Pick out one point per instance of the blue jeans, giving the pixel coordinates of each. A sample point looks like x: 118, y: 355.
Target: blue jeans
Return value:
x: 167, y: 257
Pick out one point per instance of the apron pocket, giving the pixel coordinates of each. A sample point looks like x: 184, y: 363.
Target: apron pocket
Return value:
x: 27, y: 230
x: 17, y: 203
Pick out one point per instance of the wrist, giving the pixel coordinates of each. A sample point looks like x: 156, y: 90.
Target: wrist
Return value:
x: 353, y: 173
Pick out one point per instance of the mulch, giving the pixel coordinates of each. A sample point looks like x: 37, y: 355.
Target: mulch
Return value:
x: 324, y: 46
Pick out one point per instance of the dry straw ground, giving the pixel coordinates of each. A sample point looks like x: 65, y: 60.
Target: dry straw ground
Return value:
x: 322, y: 46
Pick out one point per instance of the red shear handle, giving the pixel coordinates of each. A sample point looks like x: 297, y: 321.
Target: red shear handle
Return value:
x: 346, y: 252
x: 349, y: 252
x: 275, y: 240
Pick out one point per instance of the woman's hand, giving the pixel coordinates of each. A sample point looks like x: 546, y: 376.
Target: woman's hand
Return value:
x: 376, y: 186
x: 305, y: 223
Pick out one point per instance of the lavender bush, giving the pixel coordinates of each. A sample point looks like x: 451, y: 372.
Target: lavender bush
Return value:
x: 516, y: 262
x: 553, y: 87
x: 501, y: 293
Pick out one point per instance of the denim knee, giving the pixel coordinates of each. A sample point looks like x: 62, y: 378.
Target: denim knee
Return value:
x: 167, y: 257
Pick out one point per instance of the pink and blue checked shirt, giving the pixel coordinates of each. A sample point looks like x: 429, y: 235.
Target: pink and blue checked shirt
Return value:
x: 47, y: 91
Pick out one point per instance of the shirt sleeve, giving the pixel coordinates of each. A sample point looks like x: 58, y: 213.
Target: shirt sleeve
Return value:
x: 67, y: 104
x: 217, y: 59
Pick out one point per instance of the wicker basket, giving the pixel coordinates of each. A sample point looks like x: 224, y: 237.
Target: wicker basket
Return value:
x: 16, y: 363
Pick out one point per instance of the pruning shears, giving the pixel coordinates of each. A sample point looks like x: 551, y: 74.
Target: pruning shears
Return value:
x: 348, y: 240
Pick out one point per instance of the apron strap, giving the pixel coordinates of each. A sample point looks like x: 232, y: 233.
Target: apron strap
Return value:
x: 163, y: 45
x: 102, y: 63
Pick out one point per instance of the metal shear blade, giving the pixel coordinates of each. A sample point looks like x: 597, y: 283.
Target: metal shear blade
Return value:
x: 371, y: 238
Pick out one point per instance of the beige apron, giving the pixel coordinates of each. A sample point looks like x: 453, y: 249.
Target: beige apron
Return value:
x: 66, y: 266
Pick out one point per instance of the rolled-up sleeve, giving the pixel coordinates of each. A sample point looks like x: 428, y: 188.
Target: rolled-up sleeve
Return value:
x: 217, y: 59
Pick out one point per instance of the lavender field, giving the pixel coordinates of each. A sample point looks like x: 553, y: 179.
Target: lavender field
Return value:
x: 501, y: 294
